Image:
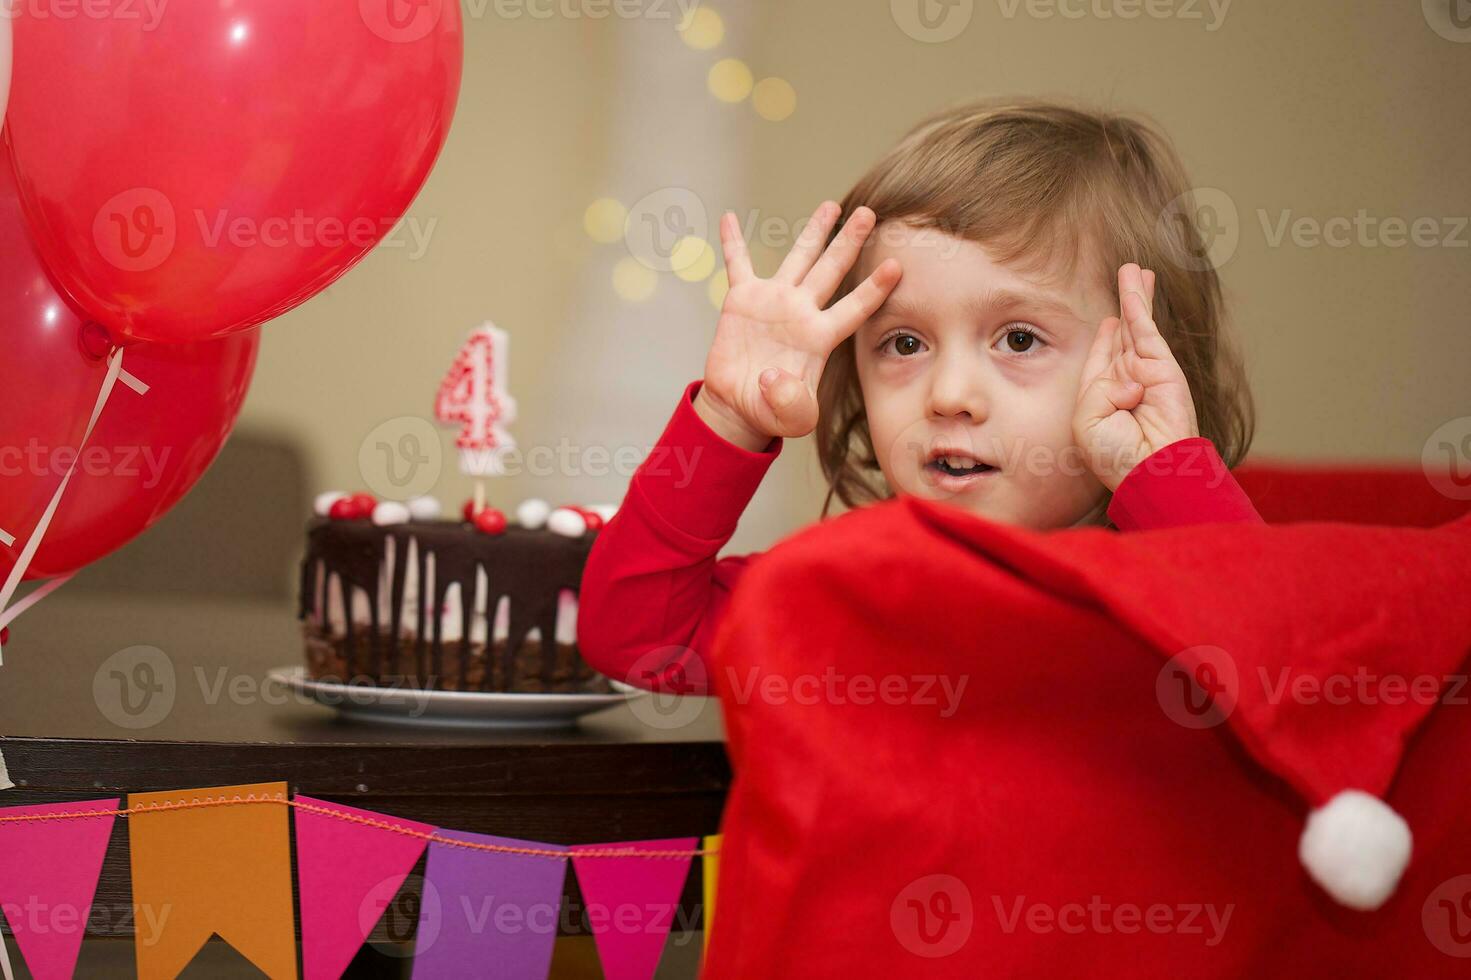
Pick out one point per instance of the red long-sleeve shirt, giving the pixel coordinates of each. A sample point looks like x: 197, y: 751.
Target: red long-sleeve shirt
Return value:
x: 653, y: 591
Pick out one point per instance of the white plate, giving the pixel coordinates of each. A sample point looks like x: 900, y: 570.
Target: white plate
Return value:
x: 454, y: 709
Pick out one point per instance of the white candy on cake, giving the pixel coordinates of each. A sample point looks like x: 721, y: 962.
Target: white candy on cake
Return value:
x: 533, y: 512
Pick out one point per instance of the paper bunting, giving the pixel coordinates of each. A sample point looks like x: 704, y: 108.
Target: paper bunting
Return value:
x: 711, y: 867
x: 631, y: 903
x: 48, y: 877
x: 214, y: 869
x: 482, y: 907
x: 347, y: 871
x: 217, y: 860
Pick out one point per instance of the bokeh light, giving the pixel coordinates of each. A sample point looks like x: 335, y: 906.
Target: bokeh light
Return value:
x: 692, y: 259
x: 730, y: 80
x: 703, y: 30
x: 774, y: 99
x: 633, y: 281
x: 603, y: 220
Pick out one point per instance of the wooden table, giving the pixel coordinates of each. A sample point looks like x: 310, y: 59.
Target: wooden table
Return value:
x: 65, y: 735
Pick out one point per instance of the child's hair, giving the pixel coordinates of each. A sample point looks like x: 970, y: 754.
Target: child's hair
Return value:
x: 1046, y: 185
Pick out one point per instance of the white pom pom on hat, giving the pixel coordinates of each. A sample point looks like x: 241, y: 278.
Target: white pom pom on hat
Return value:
x: 1356, y: 848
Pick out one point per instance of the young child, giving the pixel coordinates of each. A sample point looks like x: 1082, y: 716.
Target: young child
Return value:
x: 955, y: 340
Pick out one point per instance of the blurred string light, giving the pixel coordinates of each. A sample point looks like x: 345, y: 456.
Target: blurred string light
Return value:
x: 633, y: 281
x: 692, y: 259
x: 730, y: 80
x: 703, y: 29
x: 774, y: 99
x: 603, y: 220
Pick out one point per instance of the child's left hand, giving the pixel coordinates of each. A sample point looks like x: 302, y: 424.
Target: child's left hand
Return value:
x: 1116, y: 425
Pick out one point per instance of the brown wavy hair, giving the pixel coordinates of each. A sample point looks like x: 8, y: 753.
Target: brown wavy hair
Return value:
x: 1047, y: 186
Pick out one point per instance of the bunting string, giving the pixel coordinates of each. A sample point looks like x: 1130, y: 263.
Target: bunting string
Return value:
x: 250, y: 798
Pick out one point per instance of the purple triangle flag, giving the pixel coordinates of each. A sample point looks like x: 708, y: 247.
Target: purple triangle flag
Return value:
x: 48, y: 878
x: 631, y: 902
x: 487, y: 912
x: 348, y: 872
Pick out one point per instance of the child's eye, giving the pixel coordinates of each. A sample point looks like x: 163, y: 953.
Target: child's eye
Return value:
x: 1021, y: 339
x: 905, y: 344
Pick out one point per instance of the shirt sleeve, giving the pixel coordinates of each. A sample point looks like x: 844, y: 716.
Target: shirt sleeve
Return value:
x: 1183, y: 483
x: 653, y: 591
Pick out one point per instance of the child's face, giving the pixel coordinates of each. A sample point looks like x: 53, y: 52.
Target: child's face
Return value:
x: 954, y: 372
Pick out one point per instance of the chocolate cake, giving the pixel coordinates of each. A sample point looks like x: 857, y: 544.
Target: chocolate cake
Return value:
x: 409, y: 624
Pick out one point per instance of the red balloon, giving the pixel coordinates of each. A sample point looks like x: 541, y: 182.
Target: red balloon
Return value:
x: 198, y: 173
x: 146, y: 450
x: 50, y: 371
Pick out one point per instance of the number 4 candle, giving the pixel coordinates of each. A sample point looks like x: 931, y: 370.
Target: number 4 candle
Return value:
x: 473, y: 394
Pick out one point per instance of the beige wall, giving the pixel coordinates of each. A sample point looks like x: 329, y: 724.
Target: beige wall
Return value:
x: 1321, y: 109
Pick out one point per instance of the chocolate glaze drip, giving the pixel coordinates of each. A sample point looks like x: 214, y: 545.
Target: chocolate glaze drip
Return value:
x: 530, y: 566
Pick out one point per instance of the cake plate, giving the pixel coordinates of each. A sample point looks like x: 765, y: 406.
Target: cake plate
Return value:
x: 451, y: 709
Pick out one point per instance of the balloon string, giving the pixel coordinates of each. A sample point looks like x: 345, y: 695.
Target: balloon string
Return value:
x: 7, y: 613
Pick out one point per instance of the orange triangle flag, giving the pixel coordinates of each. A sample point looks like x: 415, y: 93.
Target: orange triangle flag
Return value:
x: 202, y: 870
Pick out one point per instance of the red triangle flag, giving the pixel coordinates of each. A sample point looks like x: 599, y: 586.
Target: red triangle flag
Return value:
x: 631, y: 902
x: 349, y: 867
x: 48, y: 879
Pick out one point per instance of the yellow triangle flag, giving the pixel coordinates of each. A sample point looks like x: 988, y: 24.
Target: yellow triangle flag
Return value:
x: 712, y: 875
x: 203, y: 870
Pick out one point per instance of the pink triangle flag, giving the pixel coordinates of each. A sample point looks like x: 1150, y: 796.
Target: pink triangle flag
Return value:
x: 631, y: 902
x: 48, y: 878
x: 350, y: 864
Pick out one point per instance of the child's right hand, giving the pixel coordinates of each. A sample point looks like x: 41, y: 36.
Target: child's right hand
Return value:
x: 774, y: 337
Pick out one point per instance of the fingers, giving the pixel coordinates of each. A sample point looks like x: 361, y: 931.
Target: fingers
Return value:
x: 809, y: 244
x: 1104, y: 349
x: 1102, y: 398
x: 829, y: 271
x: 1149, y: 290
x: 1131, y: 287
x: 792, y: 404
x: 733, y: 245
x: 849, y: 313
x: 1142, y: 334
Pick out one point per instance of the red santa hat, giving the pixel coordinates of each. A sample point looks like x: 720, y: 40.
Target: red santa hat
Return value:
x: 1327, y: 709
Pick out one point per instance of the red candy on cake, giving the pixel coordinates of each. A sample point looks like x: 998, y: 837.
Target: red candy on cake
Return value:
x: 490, y: 521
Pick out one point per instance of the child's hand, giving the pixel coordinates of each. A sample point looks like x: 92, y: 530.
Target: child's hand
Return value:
x: 774, y: 337
x: 1119, y: 426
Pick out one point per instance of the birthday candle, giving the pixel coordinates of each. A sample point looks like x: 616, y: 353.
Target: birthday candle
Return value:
x: 473, y: 394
